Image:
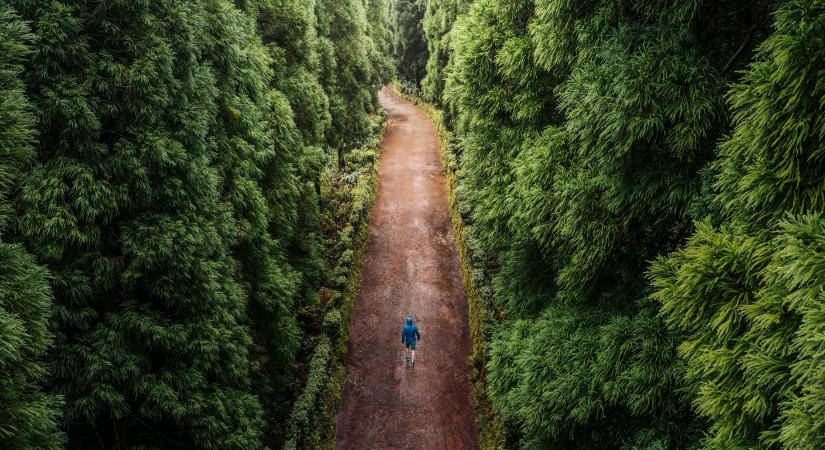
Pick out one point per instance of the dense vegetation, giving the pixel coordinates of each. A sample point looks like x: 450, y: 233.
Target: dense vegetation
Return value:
x: 643, y: 182
x: 409, y: 46
x: 184, y: 188
x: 28, y: 417
x: 160, y: 171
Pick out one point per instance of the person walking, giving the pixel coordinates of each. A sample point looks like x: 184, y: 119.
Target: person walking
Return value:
x: 409, y: 337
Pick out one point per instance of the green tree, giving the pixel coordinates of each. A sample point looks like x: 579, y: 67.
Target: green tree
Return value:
x: 173, y: 194
x: 409, y: 46
x: 258, y: 148
x: 289, y: 30
x: 439, y: 18
x: 125, y: 207
x: 584, y: 132
x: 746, y: 291
x: 28, y: 415
x: 378, y: 19
x: 346, y: 71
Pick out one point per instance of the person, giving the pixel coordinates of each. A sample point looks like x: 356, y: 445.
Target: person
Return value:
x: 409, y: 337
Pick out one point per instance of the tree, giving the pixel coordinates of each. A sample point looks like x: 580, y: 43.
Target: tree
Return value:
x: 409, y: 47
x: 346, y: 72
x: 746, y: 291
x: 258, y: 149
x: 439, y: 18
x: 28, y: 415
x: 173, y: 195
x: 584, y: 133
x: 378, y: 19
x: 289, y: 30
x: 124, y: 207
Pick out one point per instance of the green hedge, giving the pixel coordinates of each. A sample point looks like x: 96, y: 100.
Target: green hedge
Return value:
x: 349, y: 194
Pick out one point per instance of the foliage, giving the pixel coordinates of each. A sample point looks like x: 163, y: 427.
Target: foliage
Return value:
x: 586, y: 131
x: 378, y: 19
x: 346, y: 71
x: 300, y: 423
x: 28, y: 415
x: 258, y: 148
x: 173, y: 195
x: 409, y: 47
x: 289, y: 30
x: 747, y: 294
x: 152, y: 347
x: 438, y: 21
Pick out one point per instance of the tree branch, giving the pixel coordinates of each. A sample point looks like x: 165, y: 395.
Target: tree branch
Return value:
x: 757, y: 26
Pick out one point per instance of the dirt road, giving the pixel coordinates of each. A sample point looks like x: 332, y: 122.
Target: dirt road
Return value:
x: 411, y: 268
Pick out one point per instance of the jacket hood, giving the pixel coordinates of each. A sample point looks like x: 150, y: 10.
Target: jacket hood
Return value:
x: 409, y: 320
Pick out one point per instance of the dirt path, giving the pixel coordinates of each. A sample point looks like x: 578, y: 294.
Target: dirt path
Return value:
x: 411, y: 267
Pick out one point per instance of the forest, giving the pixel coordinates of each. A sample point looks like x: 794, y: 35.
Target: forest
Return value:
x: 185, y: 190
x: 642, y: 185
x: 166, y: 221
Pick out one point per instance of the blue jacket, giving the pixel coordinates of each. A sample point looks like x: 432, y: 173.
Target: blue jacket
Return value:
x: 409, y: 334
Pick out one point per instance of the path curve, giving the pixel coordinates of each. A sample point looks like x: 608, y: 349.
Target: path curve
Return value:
x: 411, y: 267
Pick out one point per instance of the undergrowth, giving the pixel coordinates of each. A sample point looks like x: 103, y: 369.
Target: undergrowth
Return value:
x: 347, y: 195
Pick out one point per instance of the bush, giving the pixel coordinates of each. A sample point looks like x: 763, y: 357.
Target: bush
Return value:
x: 349, y: 193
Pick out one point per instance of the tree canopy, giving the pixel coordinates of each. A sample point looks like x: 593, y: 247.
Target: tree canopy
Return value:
x: 158, y: 182
x: 409, y: 47
x: 641, y: 178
